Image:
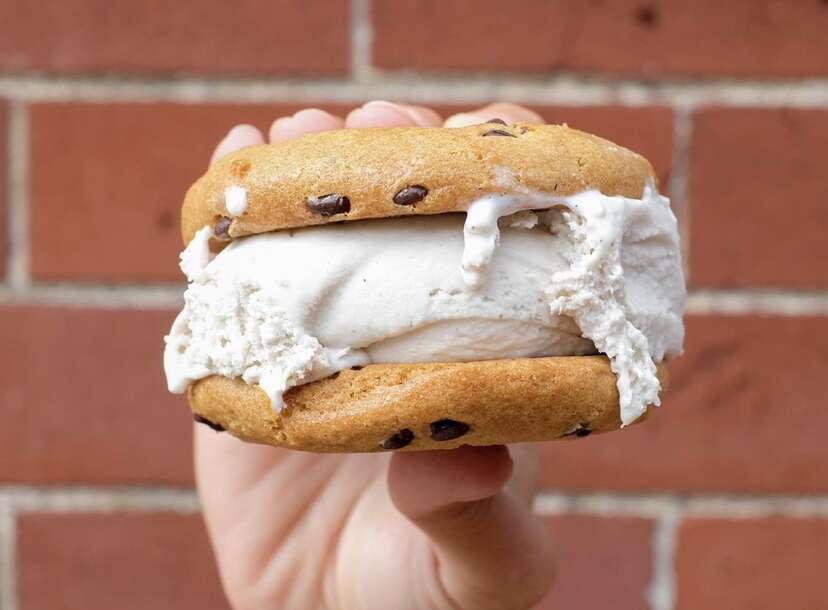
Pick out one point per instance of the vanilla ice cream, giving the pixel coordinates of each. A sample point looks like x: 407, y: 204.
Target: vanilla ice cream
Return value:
x: 590, y: 274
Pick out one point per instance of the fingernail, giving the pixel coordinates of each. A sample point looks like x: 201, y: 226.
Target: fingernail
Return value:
x: 238, y: 137
x: 388, y: 106
x: 382, y: 104
x: 311, y: 112
x: 241, y: 134
x: 281, y: 122
x: 280, y: 125
x: 239, y: 130
x: 410, y: 114
x: 464, y: 119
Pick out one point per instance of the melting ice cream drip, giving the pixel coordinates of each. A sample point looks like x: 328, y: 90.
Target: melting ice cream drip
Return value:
x: 592, y: 290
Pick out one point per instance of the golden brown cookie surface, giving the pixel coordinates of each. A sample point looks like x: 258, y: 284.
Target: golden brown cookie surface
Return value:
x: 354, y: 174
x: 423, y: 406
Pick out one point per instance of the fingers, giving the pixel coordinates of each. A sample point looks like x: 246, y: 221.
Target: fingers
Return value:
x: 511, y: 113
x: 380, y: 113
x: 377, y: 113
x: 310, y: 120
x: 447, y: 477
x: 491, y: 550
x: 523, y: 483
x: 241, y: 136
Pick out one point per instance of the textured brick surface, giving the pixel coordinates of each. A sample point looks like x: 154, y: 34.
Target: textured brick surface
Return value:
x: 758, y: 198
x: 84, y: 398
x: 4, y: 231
x: 150, y: 37
x: 110, y: 179
x: 752, y: 564
x: 92, y: 193
x: 745, y: 412
x: 661, y: 37
x: 604, y: 563
x: 454, y: 34
x: 125, y: 561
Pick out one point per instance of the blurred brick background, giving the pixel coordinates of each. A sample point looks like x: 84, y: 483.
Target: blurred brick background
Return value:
x: 109, y: 110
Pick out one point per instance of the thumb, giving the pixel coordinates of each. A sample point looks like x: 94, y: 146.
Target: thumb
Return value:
x: 491, y: 550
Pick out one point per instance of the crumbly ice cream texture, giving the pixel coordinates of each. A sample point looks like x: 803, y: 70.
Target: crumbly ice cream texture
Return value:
x: 590, y: 274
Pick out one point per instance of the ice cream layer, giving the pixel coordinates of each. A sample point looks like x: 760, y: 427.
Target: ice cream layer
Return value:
x: 285, y: 308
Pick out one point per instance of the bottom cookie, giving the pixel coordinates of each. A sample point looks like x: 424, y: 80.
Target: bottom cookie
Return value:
x: 409, y: 407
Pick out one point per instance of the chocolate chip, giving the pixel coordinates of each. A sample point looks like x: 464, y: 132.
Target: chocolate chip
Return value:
x: 357, y: 367
x: 410, y: 195
x: 498, y: 121
x: 499, y: 132
x: 447, y: 429
x: 222, y: 228
x: 581, y: 431
x: 330, y: 204
x: 203, y: 420
x: 398, y: 440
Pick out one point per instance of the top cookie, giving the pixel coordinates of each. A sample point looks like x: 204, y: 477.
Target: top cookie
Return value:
x: 354, y: 174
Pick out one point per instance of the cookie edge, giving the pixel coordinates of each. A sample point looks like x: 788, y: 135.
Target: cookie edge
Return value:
x: 504, y: 401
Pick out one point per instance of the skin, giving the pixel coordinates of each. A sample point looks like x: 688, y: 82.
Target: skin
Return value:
x: 427, y: 530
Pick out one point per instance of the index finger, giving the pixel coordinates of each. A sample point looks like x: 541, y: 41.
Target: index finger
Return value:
x: 510, y: 113
x: 241, y: 136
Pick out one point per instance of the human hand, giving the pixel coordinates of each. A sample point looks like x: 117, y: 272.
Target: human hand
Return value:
x: 427, y: 530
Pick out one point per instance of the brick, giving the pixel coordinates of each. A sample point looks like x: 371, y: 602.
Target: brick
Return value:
x: 745, y: 412
x: 757, y: 198
x: 257, y: 37
x: 4, y: 232
x: 752, y: 564
x: 83, y: 395
x: 111, y: 179
x: 125, y: 561
x: 454, y: 34
x: 650, y: 39
x: 604, y: 563
x: 92, y: 194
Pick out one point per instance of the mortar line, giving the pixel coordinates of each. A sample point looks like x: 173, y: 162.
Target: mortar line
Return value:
x: 750, y: 508
x: 75, y: 498
x: 679, y: 175
x: 23, y: 499
x: 8, y: 557
x: 18, y: 195
x: 128, y: 296
x: 655, y: 505
x: 361, y: 38
x: 564, y: 89
x: 758, y: 301
x: 662, y: 590
x: 601, y: 504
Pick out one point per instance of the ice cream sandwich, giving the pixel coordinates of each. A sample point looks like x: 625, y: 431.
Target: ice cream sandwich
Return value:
x: 421, y: 288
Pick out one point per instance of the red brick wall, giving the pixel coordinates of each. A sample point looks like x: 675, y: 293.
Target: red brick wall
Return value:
x: 109, y: 110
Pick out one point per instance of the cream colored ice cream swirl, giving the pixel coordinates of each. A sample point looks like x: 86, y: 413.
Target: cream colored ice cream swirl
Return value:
x: 624, y: 285
x: 285, y: 308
